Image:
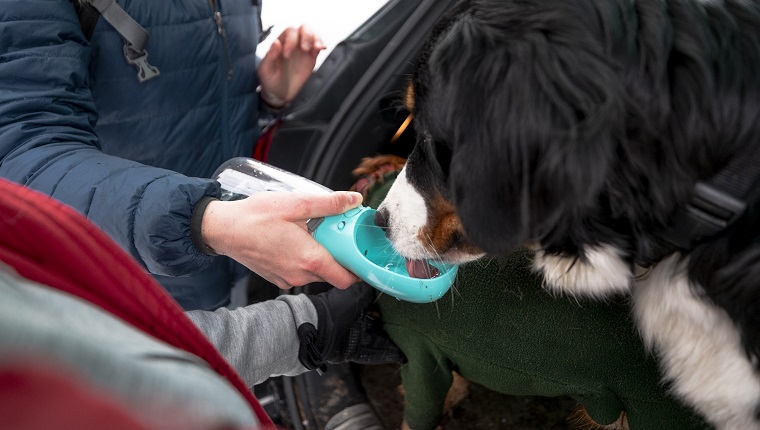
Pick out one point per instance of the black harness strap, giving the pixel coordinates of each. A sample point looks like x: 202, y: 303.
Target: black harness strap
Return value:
x: 716, y: 203
x: 740, y: 176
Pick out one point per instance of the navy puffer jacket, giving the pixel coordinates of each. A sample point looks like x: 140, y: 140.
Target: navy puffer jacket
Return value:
x: 76, y: 124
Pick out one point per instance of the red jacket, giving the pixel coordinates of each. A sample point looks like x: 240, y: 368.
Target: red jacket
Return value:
x: 50, y: 243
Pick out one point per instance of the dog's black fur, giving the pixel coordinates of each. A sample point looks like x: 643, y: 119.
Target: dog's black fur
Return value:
x: 574, y: 123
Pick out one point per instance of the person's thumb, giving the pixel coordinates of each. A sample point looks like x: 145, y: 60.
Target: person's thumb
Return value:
x: 334, y: 203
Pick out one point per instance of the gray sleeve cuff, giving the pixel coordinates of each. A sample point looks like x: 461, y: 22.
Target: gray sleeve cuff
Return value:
x: 259, y: 340
x: 302, y: 309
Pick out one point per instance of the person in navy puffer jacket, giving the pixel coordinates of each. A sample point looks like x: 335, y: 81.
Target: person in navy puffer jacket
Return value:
x: 135, y: 157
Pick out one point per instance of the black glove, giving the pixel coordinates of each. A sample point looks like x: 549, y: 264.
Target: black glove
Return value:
x: 347, y: 331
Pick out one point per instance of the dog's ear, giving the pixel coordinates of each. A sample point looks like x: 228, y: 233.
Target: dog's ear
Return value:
x: 531, y: 108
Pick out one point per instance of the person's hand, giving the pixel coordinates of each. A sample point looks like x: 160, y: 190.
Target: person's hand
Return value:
x: 288, y: 64
x: 347, y: 330
x: 267, y: 233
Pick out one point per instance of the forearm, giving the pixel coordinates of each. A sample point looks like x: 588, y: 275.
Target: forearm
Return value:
x: 145, y: 209
x: 48, y: 143
x: 259, y: 340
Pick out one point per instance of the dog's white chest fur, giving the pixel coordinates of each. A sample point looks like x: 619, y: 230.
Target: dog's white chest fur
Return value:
x: 602, y: 272
x: 698, y: 346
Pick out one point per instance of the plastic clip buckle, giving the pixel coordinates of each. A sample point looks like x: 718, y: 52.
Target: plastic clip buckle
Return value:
x: 709, y: 211
x: 145, y: 70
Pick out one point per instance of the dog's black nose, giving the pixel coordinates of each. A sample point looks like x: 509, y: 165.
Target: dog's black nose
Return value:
x: 381, y: 220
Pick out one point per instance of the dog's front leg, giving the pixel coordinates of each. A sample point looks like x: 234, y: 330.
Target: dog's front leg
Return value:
x: 460, y: 389
x: 698, y: 346
x: 580, y: 419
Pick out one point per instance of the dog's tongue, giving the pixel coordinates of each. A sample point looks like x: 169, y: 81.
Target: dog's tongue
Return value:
x: 421, y: 269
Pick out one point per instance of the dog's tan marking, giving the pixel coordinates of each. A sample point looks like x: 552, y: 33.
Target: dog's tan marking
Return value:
x: 579, y: 419
x: 459, y: 390
x: 409, y: 97
x: 444, y: 223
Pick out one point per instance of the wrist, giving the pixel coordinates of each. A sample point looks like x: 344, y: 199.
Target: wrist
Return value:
x: 272, y: 101
x: 198, y: 223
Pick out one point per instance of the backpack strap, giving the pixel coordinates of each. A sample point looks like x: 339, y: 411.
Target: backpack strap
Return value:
x: 88, y: 17
x: 263, y: 34
x: 134, y: 35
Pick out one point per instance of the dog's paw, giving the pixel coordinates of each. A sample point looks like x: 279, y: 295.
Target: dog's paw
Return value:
x: 459, y: 390
x: 579, y: 419
x: 600, y: 273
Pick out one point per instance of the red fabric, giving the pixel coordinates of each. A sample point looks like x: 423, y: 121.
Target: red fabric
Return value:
x: 261, y: 150
x: 52, y: 244
x: 68, y: 402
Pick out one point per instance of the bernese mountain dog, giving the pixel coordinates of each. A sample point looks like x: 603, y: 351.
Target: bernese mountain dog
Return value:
x: 618, y: 139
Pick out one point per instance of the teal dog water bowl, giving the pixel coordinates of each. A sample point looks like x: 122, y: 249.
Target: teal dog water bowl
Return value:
x: 362, y: 247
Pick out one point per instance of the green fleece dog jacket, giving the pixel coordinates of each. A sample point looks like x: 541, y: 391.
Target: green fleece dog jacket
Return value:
x: 499, y: 328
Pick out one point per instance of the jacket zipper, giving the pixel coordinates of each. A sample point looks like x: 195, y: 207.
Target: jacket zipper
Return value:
x: 223, y: 34
x: 224, y: 125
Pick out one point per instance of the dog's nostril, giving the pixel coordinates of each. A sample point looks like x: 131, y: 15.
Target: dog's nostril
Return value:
x: 381, y: 219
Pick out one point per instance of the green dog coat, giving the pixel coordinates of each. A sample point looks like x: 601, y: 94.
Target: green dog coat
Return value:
x: 499, y: 328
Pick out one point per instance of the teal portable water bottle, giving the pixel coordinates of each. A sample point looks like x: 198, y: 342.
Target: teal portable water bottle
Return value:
x: 352, y: 238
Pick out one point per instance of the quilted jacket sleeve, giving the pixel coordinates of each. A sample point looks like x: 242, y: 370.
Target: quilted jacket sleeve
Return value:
x: 47, y: 142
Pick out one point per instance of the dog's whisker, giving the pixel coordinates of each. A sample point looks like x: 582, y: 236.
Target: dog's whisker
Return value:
x: 452, y: 289
x: 436, y: 254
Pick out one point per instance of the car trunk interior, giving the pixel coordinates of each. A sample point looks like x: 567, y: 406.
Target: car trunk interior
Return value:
x: 351, y: 107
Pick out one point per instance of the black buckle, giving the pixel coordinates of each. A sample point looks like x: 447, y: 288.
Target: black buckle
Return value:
x: 709, y: 211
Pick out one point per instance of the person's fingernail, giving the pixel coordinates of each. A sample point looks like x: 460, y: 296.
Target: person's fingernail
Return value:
x: 354, y: 198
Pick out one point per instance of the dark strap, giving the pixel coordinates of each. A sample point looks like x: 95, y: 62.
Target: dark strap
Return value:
x: 740, y: 176
x: 134, y: 35
x: 716, y: 203
x: 263, y: 34
x: 88, y: 18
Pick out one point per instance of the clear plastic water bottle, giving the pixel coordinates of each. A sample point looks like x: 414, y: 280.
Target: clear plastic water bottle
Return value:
x: 352, y: 238
x: 241, y: 177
